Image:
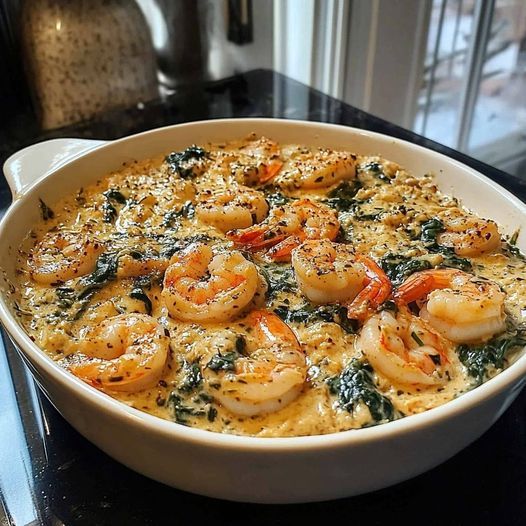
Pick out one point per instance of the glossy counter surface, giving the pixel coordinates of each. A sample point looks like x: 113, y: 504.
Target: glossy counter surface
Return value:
x: 49, y: 474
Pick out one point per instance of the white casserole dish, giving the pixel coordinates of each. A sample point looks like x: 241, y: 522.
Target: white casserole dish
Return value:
x: 266, y: 470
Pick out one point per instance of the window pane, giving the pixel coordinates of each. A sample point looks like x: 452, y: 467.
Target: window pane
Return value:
x: 499, y: 121
x: 448, y: 41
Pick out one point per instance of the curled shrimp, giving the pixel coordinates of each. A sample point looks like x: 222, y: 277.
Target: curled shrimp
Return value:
x: 287, y: 227
x: 470, y: 236
x: 405, y: 349
x: 266, y: 155
x: 329, y: 272
x: 462, y: 307
x: 326, y: 272
x: 199, y: 286
x: 255, y: 163
x: 269, y: 376
x: 61, y: 256
x: 229, y: 208
x: 309, y: 170
x: 123, y: 353
x: 260, y: 149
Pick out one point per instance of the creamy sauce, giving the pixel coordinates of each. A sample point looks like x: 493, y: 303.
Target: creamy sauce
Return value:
x: 145, y: 212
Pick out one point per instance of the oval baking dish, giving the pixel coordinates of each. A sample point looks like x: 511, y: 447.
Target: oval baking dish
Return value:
x: 270, y: 470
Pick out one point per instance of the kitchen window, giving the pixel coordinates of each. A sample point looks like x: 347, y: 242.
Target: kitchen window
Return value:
x: 452, y: 70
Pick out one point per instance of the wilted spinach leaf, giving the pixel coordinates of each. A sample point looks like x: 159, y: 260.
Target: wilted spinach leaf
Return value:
x: 479, y: 358
x: 187, y: 211
x: 342, y: 197
x: 180, y: 162
x: 354, y: 385
x: 376, y: 169
x: 109, y: 211
x: 223, y: 362
x: 171, y: 245
x: 310, y: 313
x: 192, y: 379
x: 138, y: 293
x: 429, y: 232
x: 182, y: 411
x: 277, y: 198
x: 279, y: 278
x: 399, y: 268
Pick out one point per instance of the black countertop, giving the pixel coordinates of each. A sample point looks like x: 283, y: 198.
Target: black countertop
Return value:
x: 49, y: 474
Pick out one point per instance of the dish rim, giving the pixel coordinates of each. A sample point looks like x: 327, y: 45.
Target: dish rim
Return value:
x: 170, y: 429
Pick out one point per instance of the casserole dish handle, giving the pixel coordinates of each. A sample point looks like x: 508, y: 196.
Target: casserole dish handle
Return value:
x: 26, y: 166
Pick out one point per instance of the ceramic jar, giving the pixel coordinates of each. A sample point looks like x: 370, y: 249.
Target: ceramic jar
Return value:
x: 86, y: 57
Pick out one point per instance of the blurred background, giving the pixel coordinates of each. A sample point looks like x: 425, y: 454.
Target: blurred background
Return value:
x: 451, y: 70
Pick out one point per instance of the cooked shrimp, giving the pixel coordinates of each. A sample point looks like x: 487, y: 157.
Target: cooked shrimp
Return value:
x: 405, y: 349
x: 130, y: 267
x: 123, y: 353
x: 470, y: 236
x: 256, y: 162
x: 288, y: 226
x: 260, y: 148
x: 267, y: 154
x: 61, y: 256
x: 199, y: 286
x: 233, y: 207
x: 329, y: 272
x: 269, y: 376
x: 462, y: 307
x: 318, y: 169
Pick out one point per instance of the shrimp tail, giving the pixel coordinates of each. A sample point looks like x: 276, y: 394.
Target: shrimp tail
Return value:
x: 377, y: 289
x: 271, y: 171
x: 254, y: 239
x: 271, y: 328
x: 282, y: 251
x: 246, y: 236
x: 419, y: 284
x: 83, y: 372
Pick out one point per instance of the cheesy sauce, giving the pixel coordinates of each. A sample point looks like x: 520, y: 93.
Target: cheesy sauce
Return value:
x: 117, y: 237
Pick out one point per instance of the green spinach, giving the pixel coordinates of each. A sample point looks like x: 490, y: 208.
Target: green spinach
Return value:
x: 375, y: 169
x: 223, y: 362
x: 342, y: 198
x: 183, y: 163
x: 480, y: 358
x: 171, y: 245
x: 356, y: 385
x: 105, y: 271
x: 181, y: 411
x: 511, y: 246
x: 399, y: 268
x: 138, y: 293
x: 187, y: 211
x: 192, y: 379
x: 276, y: 198
x: 279, y: 278
x: 109, y: 212
x: 309, y: 313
